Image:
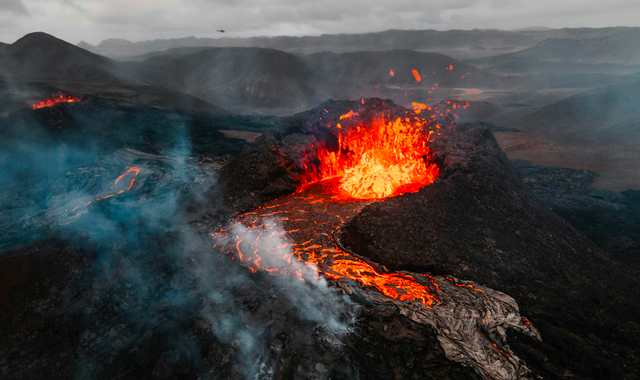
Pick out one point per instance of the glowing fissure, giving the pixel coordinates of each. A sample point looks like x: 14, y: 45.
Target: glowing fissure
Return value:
x: 133, y: 170
x: 375, y: 161
x: 56, y: 99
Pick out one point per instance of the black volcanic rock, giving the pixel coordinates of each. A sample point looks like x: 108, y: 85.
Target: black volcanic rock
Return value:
x: 60, y: 319
x: 609, y: 219
x: 478, y: 221
x: 506, y: 230
x: 50, y: 274
x: 163, y: 304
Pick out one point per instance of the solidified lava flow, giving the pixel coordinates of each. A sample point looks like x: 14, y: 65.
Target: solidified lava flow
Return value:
x: 297, y: 237
x: 55, y: 99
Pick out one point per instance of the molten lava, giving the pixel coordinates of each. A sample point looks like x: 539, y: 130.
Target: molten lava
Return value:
x: 134, y: 170
x: 377, y: 160
x: 55, y: 99
x: 299, y: 229
x: 374, y: 160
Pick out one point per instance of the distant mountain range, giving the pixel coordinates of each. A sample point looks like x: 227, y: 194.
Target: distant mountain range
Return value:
x: 240, y: 78
x: 460, y: 44
x: 260, y: 79
x: 233, y: 77
x: 608, y: 112
x: 621, y: 49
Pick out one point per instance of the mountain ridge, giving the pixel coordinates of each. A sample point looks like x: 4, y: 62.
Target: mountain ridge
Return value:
x: 619, y: 48
x: 41, y: 57
x: 467, y: 43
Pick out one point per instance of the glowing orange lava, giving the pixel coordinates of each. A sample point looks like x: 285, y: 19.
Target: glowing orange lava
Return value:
x: 295, y: 232
x: 132, y: 169
x: 377, y: 160
x: 55, y: 99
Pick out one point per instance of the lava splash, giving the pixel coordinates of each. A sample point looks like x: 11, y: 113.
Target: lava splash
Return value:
x: 378, y: 160
x: 56, y: 99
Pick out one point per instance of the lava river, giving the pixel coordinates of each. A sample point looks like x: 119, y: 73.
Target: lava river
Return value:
x: 303, y: 226
x: 295, y: 236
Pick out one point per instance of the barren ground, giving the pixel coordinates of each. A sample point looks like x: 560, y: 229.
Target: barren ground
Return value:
x: 613, y: 162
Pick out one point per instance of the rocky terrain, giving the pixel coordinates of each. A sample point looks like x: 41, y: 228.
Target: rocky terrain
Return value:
x: 129, y: 219
x: 143, y: 295
x: 509, y: 241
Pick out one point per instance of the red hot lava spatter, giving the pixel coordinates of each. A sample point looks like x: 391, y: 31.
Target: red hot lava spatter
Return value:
x: 375, y: 161
x: 56, y: 99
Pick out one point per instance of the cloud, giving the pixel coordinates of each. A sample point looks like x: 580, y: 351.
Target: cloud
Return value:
x: 13, y: 6
x: 95, y: 20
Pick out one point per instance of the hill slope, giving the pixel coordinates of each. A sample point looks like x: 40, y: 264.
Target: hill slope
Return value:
x: 39, y: 57
x: 252, y: 77
x: 371, y: 68
x: 617, y: 49
x: 607, y: 112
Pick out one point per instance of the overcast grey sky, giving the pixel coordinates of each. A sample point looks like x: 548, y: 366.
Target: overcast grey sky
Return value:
x: 135, y: 20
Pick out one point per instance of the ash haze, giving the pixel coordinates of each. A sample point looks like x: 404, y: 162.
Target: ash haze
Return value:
x: 95, y: 20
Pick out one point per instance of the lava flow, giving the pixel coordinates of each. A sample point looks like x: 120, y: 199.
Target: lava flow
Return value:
x: 373, y: 161
x: 300, y: 229
x: 376, y: 161
x: 298, y: 236
x: 133, y: 170
x: 55, y: 99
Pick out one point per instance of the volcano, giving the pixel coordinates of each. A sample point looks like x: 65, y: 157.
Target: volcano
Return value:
x: 476, y: 221
x: 356, y: 239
